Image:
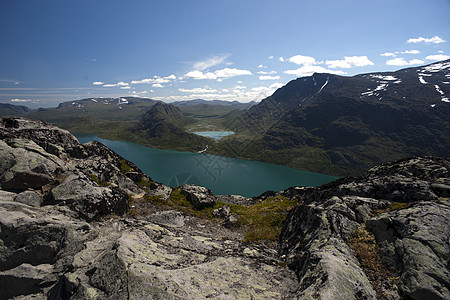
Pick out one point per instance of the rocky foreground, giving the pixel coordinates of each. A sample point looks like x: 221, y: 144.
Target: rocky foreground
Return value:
x: 76, y: 222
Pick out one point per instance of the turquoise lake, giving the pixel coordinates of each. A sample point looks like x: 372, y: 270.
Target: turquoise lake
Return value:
x: 223, y: 175
x: 216, y: 135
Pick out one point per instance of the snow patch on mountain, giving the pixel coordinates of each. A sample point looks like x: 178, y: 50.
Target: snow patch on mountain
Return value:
x: 387, y: 77
x: 438, y: 89
x: 381, y: 87
x: 422, y: 80
x: 326, y: 82
x: 77, y: 105
x: 122, y: 101
x: 436, y: 67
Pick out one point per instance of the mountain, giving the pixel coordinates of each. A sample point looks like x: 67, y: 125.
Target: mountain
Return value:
x: 162, y: 126
x: 234, y: 104
x: 80, y: 222
x: 343, y: 125
x: 12, y: 110
x: 118, y: 118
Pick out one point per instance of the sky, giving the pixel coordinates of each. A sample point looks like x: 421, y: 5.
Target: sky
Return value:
x: 52, y: 51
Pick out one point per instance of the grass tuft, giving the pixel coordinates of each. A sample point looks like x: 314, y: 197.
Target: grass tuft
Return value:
x: 265, y: 219
x: 364, y: 244
x: 124, y: 168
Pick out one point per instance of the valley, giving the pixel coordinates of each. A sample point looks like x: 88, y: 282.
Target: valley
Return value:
x: 222, y: 175
x: 323, y: 123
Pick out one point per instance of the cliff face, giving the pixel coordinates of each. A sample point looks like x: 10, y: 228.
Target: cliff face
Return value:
x: 76, y: 222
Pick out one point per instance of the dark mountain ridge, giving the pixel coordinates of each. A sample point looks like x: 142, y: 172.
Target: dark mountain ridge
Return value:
x: 329, y: 123
x: 12, y: 110
x: 162, y: 125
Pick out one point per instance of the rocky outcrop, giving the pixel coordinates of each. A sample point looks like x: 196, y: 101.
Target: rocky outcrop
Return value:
x: 414, y: 245
x: 199, y: 196
x: 69, y: 230
x: 65, y: 232
x: 402, y: 205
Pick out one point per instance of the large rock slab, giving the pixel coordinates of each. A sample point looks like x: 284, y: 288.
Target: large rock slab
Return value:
x: 88, y: 200
x: 414, y: 244
x: 199, y: 196
x: 313, y: 242
x: 151, y: 261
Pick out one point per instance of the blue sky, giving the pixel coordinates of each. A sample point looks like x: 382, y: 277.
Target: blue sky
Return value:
x: 55, y: 51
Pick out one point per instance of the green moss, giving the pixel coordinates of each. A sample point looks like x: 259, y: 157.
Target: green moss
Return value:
x: 145, y: 182
x: 156, y: 199
x: 124, y: 168
x: 365, y: 247
x: 265, y: 219
x: 262, y: 221
x: 393, y: 206
x: 94, y: 178
x: 398, y: 205
x: 178, y: 199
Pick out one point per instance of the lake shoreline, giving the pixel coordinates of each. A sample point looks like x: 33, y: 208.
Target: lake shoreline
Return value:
x: 223, y: 175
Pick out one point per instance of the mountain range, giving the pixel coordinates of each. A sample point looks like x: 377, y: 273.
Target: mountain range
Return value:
x: 342, y: 125
x: 326, y: 123
x: 78, y: 221
x: 11, y: 109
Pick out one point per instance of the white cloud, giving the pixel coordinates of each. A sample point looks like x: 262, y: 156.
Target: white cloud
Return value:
x: 267, y: 73
x: 400, y: 61
x: 98, y: 83
x: 301, y: 60
x: 410, y: 52
x: 309, y: 70
x: 121, y: 83
x: 435, y: 40
x: 200, y: 75
x: 210, y: 62
x: 281, y: 59
x: 161, y: 80
x: 239, y: 93
x: 155, y: 79
x: 218, y: 74
x: 136, y: 94
x: 438, y: 57
x: 262, y: 67
x: 270, y: 57
x: 349, y: 61
x: 157, y: 85
x: 268, y: 77
x: 125, y: 87
x: 24, y: 100
x: 264, y: 90
x: 197, y: 90
x: 146, y: 80
x: 394, y: 54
